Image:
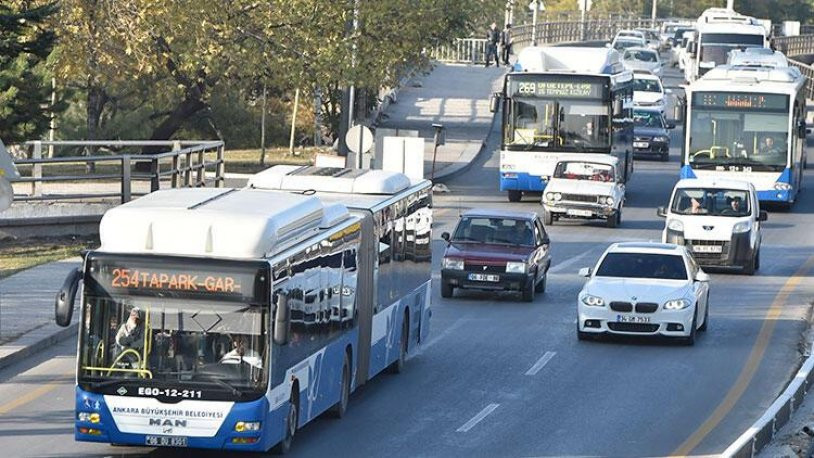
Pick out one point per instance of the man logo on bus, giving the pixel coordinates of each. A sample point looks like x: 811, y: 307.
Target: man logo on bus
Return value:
x: 168, y: 422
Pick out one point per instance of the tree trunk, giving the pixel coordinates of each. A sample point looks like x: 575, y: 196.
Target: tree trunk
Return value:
x: 97, y: 98
x: 173, y: 122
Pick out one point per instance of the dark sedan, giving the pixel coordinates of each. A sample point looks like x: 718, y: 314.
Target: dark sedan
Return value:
x: 651, y: 136
x: 497, y: 251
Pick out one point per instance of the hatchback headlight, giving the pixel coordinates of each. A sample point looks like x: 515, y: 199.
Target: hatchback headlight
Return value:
x: 593, y: 301
x: 676, y: 304
x: 675, y: 225
x: 515, y: 267
x: 453, y: 264
x: 742, y: 227
x: 661, y: 139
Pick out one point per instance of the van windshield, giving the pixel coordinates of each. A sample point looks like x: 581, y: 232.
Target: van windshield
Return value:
x: 711, y: 202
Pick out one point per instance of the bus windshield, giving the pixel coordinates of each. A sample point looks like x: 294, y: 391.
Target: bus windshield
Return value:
x: 716, y: 46
x: 756, y: 140
x: 197, y: 346
x: 561, y: 124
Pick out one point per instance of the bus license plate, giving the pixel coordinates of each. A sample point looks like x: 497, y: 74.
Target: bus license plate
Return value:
x: 633, y: 319
x: 707, y: 248
x: 640, y: 144
x: 484, y: 277
x: 166, y: 441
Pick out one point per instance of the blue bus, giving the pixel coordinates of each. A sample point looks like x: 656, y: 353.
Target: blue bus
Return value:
x: 229, y: 318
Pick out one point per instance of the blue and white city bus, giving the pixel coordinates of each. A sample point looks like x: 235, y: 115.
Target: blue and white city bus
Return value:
x: 560, y: 101
x: 748, y: 122
x: 229, y: 318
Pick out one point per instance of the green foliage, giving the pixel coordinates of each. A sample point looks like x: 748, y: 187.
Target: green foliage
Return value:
x: 25, y: 88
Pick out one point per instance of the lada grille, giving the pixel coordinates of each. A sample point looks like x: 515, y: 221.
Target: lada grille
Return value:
x: 633, y: 327
x: 484, y: 268
x: 579, y: 198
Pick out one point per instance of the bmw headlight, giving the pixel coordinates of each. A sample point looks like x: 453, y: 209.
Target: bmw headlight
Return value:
x: 557, y: 196
x: 742, y: 227
x: 515, y: 267
x: 782, y: 186
x: 675, y: 225
x: 593, y: 301
x: 676, y: 304
x: 453, y: 264
x: 661, y: 139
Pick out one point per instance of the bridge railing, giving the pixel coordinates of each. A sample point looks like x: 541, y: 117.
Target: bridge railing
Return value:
x: 118, y: 177
x: 798, y: 46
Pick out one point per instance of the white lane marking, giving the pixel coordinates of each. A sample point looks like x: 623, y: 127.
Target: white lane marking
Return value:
x: 561, y: 266
x: 541, y: 363
x: 477, y: 418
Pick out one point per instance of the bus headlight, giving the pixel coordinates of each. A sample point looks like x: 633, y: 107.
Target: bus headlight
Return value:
x: 675, y: 225
x: 453, y: 264
x: 782, y: 186
x: 89, y: 417
x: 515, y: 267
x: 741, y: 227
x: 247, y: 426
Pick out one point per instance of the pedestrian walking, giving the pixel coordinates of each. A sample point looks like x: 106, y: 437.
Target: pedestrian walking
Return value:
x: 507, y: 41
x: 492, y: 40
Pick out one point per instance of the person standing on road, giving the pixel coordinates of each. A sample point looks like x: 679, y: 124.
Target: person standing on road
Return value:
x: 506, y: 41
x: 492, y: 40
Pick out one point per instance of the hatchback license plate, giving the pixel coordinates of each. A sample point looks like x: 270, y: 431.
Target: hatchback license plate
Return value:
x: 633, y: 319
x: 707, y: 248
x: 166, y: 441
x: 574, y: 212
x: 641, y: 144
x: 484, y: 277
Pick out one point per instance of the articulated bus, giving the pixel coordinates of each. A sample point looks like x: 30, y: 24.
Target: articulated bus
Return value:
x: 562, y: 100
x: 229, y: 318
x: 748, y: 123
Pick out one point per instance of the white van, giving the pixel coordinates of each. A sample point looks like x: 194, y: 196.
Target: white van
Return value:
x: 718, y: 220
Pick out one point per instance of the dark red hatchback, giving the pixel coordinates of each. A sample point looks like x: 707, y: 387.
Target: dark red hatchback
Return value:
x: 496, y: 250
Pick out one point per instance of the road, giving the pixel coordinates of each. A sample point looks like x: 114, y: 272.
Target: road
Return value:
x: 500, y: 377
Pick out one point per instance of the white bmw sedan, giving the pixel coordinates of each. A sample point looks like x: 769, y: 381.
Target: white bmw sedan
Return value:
x: 643, y: 288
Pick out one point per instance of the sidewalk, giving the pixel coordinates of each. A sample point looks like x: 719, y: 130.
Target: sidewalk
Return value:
x: 27, y: 310
x: 456, y: 96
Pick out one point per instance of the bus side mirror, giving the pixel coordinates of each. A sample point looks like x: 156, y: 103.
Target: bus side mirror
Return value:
x: 282, y: 323
x: 495, y: 102
x: 63, y: 306
x: 763, y: 216
x: 661, y: 212
x: 618, y: 107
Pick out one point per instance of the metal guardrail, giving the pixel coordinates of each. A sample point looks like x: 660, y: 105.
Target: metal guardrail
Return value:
x: 119, y: 177
x: 801, y: 45
x: 778, y: 414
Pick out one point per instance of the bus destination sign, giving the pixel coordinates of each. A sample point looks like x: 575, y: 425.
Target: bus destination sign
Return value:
x: 741, y: 100
x: 569, y: 89
x: 132, y: 275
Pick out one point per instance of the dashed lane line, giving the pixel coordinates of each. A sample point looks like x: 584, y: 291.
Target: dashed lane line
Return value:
x: 533, y: 370
x: 477, y: 418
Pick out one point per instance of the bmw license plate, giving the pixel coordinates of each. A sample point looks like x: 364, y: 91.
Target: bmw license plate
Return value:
x: 707, y: 248
x: 484, y: 277
x: 575, y: 212
x: 632, y: 319
x: 640, y: 144
x: 166, y: 441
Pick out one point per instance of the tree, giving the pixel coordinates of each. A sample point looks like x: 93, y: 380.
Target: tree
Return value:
x: 25, y: 88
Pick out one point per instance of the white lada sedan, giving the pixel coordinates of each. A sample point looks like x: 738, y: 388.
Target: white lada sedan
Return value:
x: 643, y: 288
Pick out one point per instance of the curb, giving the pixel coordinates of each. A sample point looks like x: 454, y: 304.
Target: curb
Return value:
x: 38, y: 345
x: 778, y: 414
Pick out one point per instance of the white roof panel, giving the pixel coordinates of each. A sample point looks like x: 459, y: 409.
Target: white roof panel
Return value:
x: 324, y: 179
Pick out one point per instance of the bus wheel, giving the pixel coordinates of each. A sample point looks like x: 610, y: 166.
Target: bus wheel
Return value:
x: 338, y: 410
x: 514, y: 196
x: 290, y: 427
x: 398, y: 365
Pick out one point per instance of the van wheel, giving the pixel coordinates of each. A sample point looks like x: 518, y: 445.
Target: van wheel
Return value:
x: 757, y: 260
x: 291, y: 421
x: 750, y: 266
x: 514, y: 196
x: 339, y: 409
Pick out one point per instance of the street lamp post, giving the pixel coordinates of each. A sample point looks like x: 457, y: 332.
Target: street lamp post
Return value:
x: 534, y: 22
x: 653, y: 14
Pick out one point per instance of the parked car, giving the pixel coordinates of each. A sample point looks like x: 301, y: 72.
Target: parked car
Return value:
x: 642, y: 59
x: 496, y: 250
x: 585, y: 186
x: 644, y: 288
x: 651, y: 137
x: 718, y: 220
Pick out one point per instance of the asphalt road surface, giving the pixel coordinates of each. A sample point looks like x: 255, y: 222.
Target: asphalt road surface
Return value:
x: 500, y: 377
